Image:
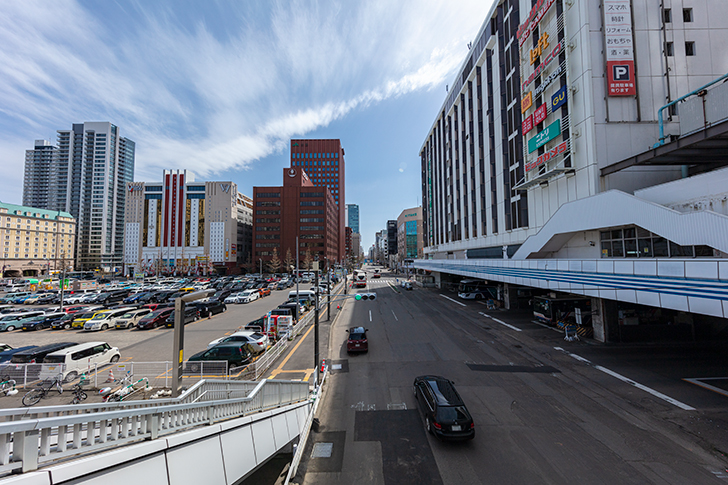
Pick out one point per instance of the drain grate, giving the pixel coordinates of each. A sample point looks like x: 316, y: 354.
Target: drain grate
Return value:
x: 322, y: 450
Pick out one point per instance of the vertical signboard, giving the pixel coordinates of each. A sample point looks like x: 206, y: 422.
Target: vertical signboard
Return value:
x: 619, y: 46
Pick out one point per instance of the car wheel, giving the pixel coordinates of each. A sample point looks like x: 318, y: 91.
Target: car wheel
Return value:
x: 115, y: 359
x: 104, y: 326
x: 194, y: 368
x: 478, y: 297
x: 428, y: 426
x: 66, y: 326
x: 71, y: 376
x: 10, y: 328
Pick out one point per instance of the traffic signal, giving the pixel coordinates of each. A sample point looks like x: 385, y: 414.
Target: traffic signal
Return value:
x: 365, y: 296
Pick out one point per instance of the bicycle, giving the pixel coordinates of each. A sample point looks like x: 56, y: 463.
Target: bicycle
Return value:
x: 35, y: 395
x: 78, y: 394
x: 7, y: 386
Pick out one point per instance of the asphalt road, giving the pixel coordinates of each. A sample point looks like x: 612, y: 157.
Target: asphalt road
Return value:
x: 546, y: 410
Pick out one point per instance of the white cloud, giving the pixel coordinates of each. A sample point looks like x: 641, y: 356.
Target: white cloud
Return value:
x: 208, y: 100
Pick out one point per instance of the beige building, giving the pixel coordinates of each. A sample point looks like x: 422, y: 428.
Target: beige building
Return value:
x: 182, y: 226
x: 36, y: 242
x: 410, y: 236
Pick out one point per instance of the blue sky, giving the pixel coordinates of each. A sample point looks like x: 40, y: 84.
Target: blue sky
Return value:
x: 220, y: 87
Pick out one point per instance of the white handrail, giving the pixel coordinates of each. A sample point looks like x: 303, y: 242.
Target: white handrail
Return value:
x: 28, y: 443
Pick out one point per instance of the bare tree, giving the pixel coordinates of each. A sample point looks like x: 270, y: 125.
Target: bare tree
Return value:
x: 275, y: 262
x: 307, y: 259
x: 248, y: 265
x: 289, y: 261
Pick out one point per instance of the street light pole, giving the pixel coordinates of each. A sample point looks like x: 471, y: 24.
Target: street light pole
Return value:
x: 316, y: 328
x: 179, y: 335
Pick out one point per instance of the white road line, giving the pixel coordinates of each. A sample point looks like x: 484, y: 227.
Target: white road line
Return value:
x: 370, y: 315
x: 629, y: 381
x: 501, y: 322
x: 454, y: 301
x: 395, y: 316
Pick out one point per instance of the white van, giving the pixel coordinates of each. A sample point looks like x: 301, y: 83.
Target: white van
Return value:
x: 73, y: 361
x: 311, y: 295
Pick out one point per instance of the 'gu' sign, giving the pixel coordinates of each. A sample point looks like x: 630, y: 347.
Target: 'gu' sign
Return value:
x: 619, y: 46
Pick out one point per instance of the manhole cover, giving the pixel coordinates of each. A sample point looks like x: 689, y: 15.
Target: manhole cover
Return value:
x: 322, y: 450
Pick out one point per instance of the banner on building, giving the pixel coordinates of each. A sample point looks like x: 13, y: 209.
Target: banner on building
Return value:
x: 619, y: 46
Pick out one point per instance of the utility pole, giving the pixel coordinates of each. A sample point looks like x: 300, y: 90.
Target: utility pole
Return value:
x: 328, y: 294
x: 316, y: 327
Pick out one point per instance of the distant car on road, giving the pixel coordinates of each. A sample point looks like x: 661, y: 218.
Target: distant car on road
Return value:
x: 443, y: 409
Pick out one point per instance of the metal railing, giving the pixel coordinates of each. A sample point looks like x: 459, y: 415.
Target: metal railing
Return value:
x: 34, y: 437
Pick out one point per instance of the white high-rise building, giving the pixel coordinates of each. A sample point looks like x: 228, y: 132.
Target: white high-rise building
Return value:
x: 86, y: 175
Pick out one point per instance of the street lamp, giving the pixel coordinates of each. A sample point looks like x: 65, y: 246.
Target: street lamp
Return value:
x: 179, y: 335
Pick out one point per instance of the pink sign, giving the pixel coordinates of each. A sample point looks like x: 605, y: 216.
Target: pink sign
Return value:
x: 540, y: 114
x: 527, y: 125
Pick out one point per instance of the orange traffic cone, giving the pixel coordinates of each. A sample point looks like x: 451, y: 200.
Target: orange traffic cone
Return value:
x: 338, y: 307
x: 323, y: 365
x: 111, y: 376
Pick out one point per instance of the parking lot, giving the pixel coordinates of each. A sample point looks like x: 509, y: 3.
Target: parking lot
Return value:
x: 154, y: 345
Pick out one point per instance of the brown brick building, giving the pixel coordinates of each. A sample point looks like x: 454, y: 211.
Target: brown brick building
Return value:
x: 297, y: 209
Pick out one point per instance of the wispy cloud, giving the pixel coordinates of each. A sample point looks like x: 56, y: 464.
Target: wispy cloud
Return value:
x: 215, y: 92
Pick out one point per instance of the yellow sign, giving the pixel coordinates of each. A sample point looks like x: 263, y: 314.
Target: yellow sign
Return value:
x: 180, y: 356
x: 543, y: 43
x: 526, y: 102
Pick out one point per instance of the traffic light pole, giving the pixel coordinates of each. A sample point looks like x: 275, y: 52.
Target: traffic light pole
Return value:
x: 328, y: 295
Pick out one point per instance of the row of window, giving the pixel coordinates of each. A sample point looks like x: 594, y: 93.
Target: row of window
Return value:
x: 635, y: 242
x: 314, y: 155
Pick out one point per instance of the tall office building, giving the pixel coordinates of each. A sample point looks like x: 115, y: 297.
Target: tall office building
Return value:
x: 352, y: 217
x: 323, y: 162
x: 38, y: 162
x: 86, y: 176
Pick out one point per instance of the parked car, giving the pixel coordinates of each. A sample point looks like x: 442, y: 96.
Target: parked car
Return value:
x: 357, y: 340
x: 81, y: 320
x: 235, y: 353
x: 6, y: 355
x: 4, y: 347
x: 258, y: 340
x: 132, y: 317
x: 210, y: 307
x: 258, y: 324
x: 78, y: 359
x: 192, y: 314
x: 245, y: 296
x: 154, y: 319
x: 104, y: 319
x: 443, y: 409
x: 41, y: 321
x: 11, y: 321
x: 265, y: 291
x: 37, y: 354
x: 65, y: 322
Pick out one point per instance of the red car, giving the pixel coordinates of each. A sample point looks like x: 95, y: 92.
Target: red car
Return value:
x: 74, y: 308
x: 155, y: 319
x: 357, y: 341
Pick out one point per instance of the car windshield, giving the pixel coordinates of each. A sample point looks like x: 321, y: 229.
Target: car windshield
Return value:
x: 100, y: 316
x: 38, y: 318
x: 87, y: 315
x: 357, y: 336
x: 451, y: 413
x: 155, y: 313
x: 444, y: 392
x: 127, y: 315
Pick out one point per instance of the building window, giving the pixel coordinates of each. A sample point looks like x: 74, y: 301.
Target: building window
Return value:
x: 667, y: 16
x: 669, y: 49
x: 690, y: 48
x: 687, y: 15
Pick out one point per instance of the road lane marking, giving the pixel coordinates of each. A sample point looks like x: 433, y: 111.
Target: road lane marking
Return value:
x: 370, y: 315
x: 395, y: 316
x: 629, y: 381
x: 295, y: 347
x: 704, y: 385
x: 454, y: 301
x: 501, y: 322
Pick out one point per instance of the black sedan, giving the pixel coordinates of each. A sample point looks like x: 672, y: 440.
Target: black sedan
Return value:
x: 443, y: 409
x: 210, y: 307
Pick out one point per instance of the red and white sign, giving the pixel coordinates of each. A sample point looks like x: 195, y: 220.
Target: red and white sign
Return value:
x: 553, y: 153
x: 527, y: 125
x: 619, y: 46
x: 534, y: 17
x: 540, y: 114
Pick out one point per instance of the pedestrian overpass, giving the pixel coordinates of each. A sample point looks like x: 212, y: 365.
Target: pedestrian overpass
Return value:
x: 217, y: 432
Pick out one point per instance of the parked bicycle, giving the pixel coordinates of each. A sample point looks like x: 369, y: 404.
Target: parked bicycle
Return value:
x: 78, y: 394
x: 7, y: 386
x: 35, y: 395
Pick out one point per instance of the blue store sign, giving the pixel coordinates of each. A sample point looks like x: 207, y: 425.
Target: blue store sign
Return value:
x: 558, y: 99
